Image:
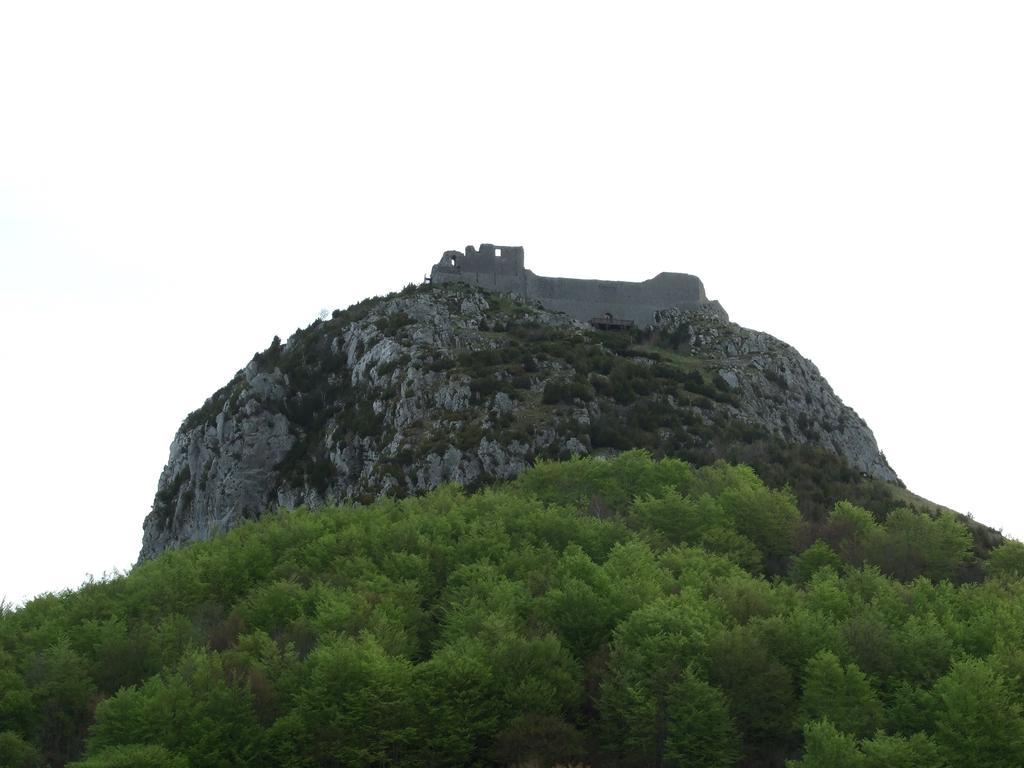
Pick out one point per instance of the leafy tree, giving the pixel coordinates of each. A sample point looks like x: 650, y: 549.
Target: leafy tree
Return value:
x: 15, y: 698
x: 826, y: 593
x: 478, y: 596
x: 272, y: 607
x: 922, y: 649
x: 728, y: 542
x: 580, y: 604
x: 759, y: 688
x: 120, y: 656
x: 910, y: 709
x: 15, y: 752
x: 850, y: 522
x: 1006, y: 561
x: 62, y: 699
x: 768, y: 518
x: 744, y: 598
x: 200, y: 711
x: 535, y: 675
x: 978, y: 722
x: 842, y: 695
x: 358, y: 703
x: 827, y: 747
x: 797, y: 635
x: 537, y: 739
x: 868, y: 638
x: 699, y: 731
x: 817, y: 556
x: 616, y: 483
x: 649, y: 652
x: 914, y: 544
x: 458, y: 704
x: 917, y: 751
x: 636, y: 578
x: 133, y: 756
x: 680, y: 518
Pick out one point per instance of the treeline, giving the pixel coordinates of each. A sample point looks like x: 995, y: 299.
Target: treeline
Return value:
x: 601, y: 613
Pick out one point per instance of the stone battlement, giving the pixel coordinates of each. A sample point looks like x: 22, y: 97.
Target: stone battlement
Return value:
x: 502, y: 268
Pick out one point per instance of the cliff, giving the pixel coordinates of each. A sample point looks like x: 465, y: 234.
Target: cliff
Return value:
x: 449, y: 383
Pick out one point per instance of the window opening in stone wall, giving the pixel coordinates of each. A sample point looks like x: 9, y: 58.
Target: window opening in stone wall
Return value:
x: 497, y: 253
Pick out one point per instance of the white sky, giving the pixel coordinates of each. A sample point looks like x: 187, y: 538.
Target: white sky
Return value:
x: 181, y: 181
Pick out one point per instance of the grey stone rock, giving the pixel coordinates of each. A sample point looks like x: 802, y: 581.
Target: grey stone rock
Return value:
x: 261, y: 442
x: 730, y: 378
x: 779, y: 389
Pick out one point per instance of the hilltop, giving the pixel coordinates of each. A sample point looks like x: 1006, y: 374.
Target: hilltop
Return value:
x: 452, y: 383
x: 456, y: 527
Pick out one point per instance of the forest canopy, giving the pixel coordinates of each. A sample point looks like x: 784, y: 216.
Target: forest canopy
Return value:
x: 627, y: 612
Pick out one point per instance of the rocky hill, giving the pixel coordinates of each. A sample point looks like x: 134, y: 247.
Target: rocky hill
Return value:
x: 449, y: 383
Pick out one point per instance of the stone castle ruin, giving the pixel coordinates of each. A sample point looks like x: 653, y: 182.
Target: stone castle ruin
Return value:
x: 604, y: 303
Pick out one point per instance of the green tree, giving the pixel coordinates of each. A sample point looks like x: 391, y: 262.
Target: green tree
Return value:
x: 202, y: 711
x: 850, y: 522
x: 649, y: 652
x: 458, y: 704
x: 120, y: 655
x: 759, y: 688
x: 768, y: 518
x: 917, y: 751
x: 699, y: 730
x: 478, y: 595
x: 817, y: 556
x: 827, y: 747
x: 910, y: 709
x: 921, y: 649
x: 726, y: 541
x: 15, y: 698
x: 680, y: 518
x: 133, y: 756
x: 15, y: 752
x: 1006, y: 561
x: 978, y: 721
x: 358, y: 703
x: 580, y: 604
x: 636, y: 578
x: 795, y: 636
x: 841, y: 695
x: 537, y: 739
x: 535, y: 675
x: 62, y: 699
x: 867, y: 636
x: 914, y: 544
x: 272, y: 607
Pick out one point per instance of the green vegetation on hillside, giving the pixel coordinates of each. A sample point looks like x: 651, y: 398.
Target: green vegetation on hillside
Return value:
x: 616, y: 613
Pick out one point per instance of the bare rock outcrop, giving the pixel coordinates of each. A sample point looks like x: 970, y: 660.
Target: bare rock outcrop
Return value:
x: 449, y: 383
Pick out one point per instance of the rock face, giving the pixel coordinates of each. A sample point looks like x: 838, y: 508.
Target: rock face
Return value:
x: 779, y: 389
x: 449, y: 383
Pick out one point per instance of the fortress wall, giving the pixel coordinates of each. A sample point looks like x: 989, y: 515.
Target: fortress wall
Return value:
x: 665, y: 290
x: 584, y: 311
x: 503, y: 259
x: 501, y: 268
x: 492, y: 281
x: 586, y: 299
